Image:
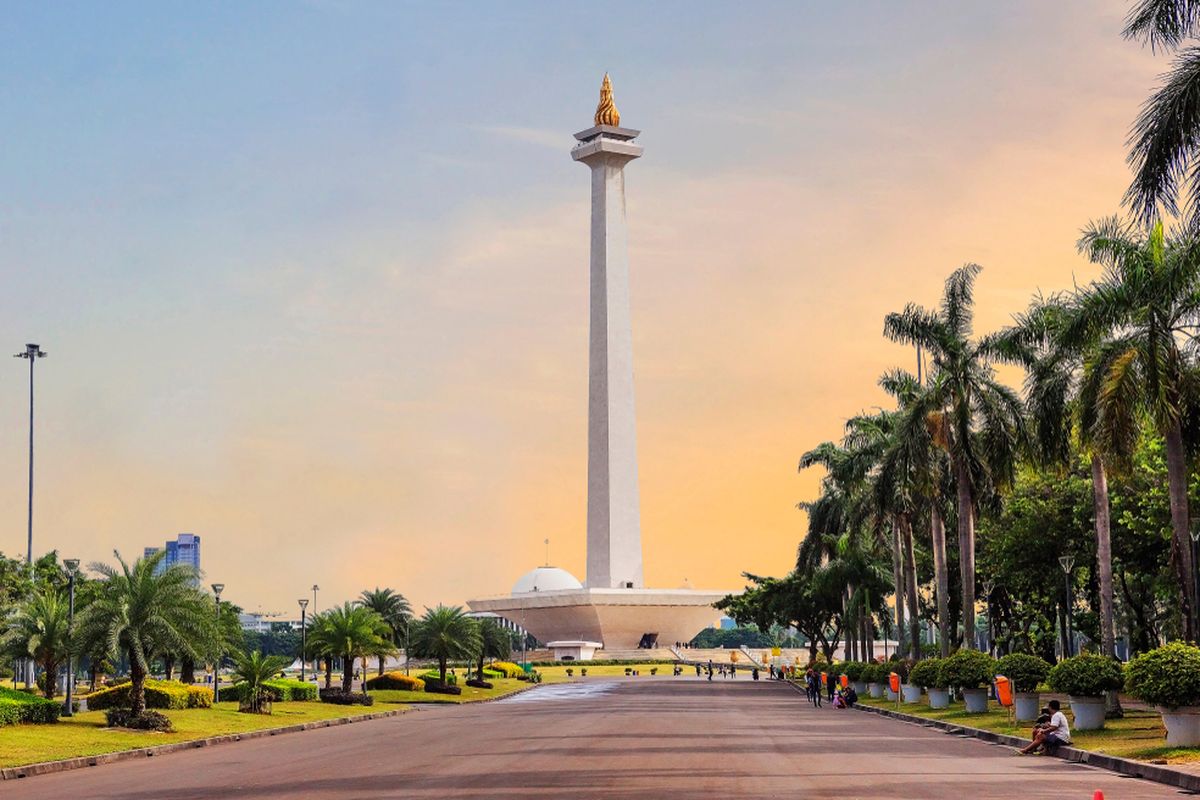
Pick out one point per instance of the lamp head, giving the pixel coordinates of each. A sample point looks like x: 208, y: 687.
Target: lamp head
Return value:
x: 72, y: 565
x: 218, y: 588
x: 303, y: 603
x: 315, y: 587
x: 1066, y: 562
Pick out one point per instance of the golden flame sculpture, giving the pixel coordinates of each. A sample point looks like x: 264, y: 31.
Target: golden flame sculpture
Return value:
x: 606, y: 112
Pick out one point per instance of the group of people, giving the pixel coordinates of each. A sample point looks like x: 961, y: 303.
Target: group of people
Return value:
x: 838, y: 697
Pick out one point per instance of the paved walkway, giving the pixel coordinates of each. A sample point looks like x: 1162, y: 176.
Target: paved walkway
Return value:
x: 625, y: 739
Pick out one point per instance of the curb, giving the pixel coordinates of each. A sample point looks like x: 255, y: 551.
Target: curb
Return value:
x: 1123, y: 766
x: 49, y: 767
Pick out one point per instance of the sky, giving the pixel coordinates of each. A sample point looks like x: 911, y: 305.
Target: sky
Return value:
x: 312, y: 276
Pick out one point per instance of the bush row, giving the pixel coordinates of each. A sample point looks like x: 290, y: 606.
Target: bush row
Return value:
x: 159, y: 694
x: 279, y: 690
x: 20, y: 707
x: 396, y: 680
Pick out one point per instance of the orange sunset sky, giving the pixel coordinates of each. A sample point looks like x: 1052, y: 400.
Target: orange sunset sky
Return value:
x: 313, y: 280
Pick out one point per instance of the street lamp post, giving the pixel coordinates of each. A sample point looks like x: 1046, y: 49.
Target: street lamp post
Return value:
x: 407, y: 643
x: 988, y: 586
x: 314, y: 591
x: 72, y: 565
x: 32, y: 353
x: 1067, y: 563
x: 217, y: 589
x: 303, y: 636
x: 1194, y: 530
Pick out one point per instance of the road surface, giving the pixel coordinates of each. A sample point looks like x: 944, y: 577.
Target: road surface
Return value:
x: 624, y: 739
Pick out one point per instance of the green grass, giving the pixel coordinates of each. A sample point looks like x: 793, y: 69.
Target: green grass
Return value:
x: 388, y: 698
x: 85, y: 735
x: 1139, y: 735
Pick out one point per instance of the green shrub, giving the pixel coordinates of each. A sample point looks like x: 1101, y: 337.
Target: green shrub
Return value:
x: 435, y: 686
x: 398, y: 680
x: 900, y: 667
x: 1167, y: 676
x: 967, y: 669
x: 1025, y: 671
x: 511, y: 670
x: 853, y: 670
x: 159, y: 694
x: 434, y: 675
x: 336, y: 696
x: 870, y: 673
x: 146, y: 721
x: 1086, y: 676
x: 927, y: 674
x: 19, y: 707
x: 278, y: 690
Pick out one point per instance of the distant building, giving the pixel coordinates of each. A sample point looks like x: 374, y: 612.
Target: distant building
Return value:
x: 184, y: 549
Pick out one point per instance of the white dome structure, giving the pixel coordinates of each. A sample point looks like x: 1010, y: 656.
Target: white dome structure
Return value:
x: 546, y: 579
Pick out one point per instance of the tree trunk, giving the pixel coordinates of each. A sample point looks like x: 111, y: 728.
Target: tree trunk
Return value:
x: 910, y: 582
x: 1108, y: 633
x: 442, y: 667
x: 966, y: 551
x: 479, y: 675
x: 1181, y: 544
x: 348, y: 673
x: 137, y: 688
x: 852, y: 653
x: 381, y: 660
x: 169, y: 667
x: 50, y: 668
x: 328, y: 671
x: 937, y: 532
x: 187, y: 670
x: 898, y: 584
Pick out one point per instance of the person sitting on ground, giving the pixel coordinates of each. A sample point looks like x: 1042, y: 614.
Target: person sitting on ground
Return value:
x: 838, y: 700
x: 850, y: 696
x: 1052, y: 734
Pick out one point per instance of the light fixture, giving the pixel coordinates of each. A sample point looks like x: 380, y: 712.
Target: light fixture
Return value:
x: 72, y: 565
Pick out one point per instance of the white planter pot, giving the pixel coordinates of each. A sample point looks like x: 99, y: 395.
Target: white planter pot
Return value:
x: 1028, y: 705
x: 912, y: 694
x: 1182, y: 724
x: 1088, y: 711
x: 859, y: 687
x: 890, y: 694
x: 939, y: 698
x: 876, y: 689
x: 976, y: 700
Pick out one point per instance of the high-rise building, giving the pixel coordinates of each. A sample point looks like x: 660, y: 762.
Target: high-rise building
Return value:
x: 184, y: 549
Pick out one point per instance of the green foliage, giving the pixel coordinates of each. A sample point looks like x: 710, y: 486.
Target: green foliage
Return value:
x: 1086, y: 676
x: 511, y: 670
x: 1025, y: 671
x: 967, y: 669
x: 251, y: 671
x: 445, y: 633
x: 277, y: 690
x: 144, y: 721
x: 733, y: 638
x: 38, y: 630
x: 351, y: 632
x: 927, y: 674
x: 397, y: 680
x: 871, y: 673
x: 1168, y: 676
x: 22, y: 707
x: 432, y: 675
x: 853, y: 670
x: 158, y: 694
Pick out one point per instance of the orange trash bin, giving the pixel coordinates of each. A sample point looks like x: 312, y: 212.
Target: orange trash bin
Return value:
x: 894, y: 682
x: 1004, y: 693
x: 845, y: 682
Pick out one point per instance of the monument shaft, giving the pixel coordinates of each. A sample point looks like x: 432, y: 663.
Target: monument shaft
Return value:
x: 614, y: 533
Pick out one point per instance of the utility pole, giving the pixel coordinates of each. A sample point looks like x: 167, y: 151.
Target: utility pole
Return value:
x: 32, y: 353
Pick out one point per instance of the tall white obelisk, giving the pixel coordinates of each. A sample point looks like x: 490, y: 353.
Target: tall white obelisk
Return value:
x: 614, y: 527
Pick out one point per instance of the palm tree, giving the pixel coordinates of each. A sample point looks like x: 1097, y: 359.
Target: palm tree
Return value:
x: 37, y: 629
x: 445, y: 633
x: 253, y: 670
x: 1132, y: 321
x: 351, y: 632
x: 494, y: 642
x: 142, y: 609
x: 983, y: 424
x: 1164, y: 143
x: 394, y: 609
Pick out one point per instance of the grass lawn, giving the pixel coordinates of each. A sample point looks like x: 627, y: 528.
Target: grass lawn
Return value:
x: 389, y: 698
x: 85, y: 735
x: 1139, y: 735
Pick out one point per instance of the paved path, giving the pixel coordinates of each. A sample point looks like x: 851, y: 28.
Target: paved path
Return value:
x: 625, y: 739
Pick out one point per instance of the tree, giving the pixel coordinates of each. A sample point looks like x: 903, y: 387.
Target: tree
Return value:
x: 38, y: 631
x: 494, y: 642
x: 252, y: 670
x: 141, y: 610
x: 1134, y: 318
x: 445, y: 633
x: 349, y: 631
x: 982, y: 421
x: 393, y: 608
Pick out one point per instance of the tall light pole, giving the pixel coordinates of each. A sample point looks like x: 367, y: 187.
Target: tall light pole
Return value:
x: 72, y: 565
x: 217, y: 589
x: 315, y: 587
x: 988, y: 586
x: 1067, y: 563
x: 303, y: 635
x: 32, y: 352
x: 407, y: 643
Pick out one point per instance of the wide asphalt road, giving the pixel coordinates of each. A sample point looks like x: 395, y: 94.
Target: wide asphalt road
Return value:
x: 624, y: 739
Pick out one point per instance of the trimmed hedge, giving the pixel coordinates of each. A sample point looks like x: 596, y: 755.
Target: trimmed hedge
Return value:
x: 478, y: 684
x: 278, y: 690
x: 967, y: 669
x: 1025, y: 671
x: 436, y: 677
x: 337, y: 697
x: 159, y: 694
x: 435, y: 686
x: 19, y: 707
x: 1086, y: 676
x: 1167, y: 676
x: 927, y: 674
x: 511, y: 670
x: 398, y: 680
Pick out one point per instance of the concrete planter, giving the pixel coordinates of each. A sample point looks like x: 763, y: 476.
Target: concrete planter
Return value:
x: 1182, y: 724
x: 912, y: 694
x: 1088, y: 711
x: 890, y: 694
x: 939, y: 698
x: 859, y: 686
x: 876, y: 689
x: 976, y: 700
x: 1027, y: 705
